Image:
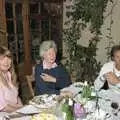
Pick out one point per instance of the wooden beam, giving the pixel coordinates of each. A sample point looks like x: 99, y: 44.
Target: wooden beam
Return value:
x: 26, y: 32
x: 3, y: 28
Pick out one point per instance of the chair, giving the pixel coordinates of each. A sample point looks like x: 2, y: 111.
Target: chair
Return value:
x: 30, y: 80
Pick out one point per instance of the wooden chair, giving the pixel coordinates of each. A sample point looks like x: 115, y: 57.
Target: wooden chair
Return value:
x: 30, y: 80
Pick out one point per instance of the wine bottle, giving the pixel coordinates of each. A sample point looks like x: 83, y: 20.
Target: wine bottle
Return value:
x: 67, y: 109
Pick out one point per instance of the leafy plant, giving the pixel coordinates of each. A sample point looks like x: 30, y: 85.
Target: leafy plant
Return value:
x: 109, y: 29
x: 82, y: 60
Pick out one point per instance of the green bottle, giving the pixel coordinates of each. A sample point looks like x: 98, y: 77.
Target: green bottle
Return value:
x: 67, y: 109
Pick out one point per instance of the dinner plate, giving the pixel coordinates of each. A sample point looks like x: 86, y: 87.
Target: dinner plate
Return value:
x: 28, y: 109
x: 44, y: 101
x: 45, y: 116
x: 45, y: 105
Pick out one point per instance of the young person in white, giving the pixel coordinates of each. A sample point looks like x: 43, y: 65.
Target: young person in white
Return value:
x: 110, y: 72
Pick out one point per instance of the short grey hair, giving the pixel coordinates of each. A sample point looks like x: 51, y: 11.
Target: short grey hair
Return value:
x: 45, y: 46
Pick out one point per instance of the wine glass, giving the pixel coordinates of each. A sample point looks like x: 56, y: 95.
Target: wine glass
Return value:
x: 115, y: 106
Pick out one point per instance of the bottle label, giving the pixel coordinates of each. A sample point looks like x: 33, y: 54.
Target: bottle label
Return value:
x: 70, y: 102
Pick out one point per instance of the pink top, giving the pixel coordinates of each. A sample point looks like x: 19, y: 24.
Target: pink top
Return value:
x: 8, y: 95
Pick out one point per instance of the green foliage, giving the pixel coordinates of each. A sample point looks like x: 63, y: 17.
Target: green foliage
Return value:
x: 82, y: 60
x: 86, y: 92
x: 109, y: 29
x: 89, y: 11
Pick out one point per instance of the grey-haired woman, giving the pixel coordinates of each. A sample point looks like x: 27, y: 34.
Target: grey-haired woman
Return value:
x: 49, y: 76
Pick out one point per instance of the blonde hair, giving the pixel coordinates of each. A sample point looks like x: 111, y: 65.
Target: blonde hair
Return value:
x: 5, y: 52
x: 45, y: 46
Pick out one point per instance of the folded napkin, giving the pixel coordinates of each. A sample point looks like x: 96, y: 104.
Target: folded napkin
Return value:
x: 74, y: 90
x: 28, y: 109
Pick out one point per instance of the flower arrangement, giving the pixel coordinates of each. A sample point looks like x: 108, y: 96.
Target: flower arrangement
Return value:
x: 88, y: 91
x: 87, y: 94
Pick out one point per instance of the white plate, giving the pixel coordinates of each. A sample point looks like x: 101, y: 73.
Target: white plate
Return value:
x: 44, y: 101
x: 44, y: 106
x: 28, y: 109
x: 45, y: 116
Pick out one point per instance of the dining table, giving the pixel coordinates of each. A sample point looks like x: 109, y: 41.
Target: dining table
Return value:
x: 92, y: 108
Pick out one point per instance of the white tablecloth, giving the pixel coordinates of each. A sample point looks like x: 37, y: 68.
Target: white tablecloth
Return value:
x: 3, y: 114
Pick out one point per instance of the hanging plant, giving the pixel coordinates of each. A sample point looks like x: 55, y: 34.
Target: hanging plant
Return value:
x: 82, y: 60
x: 109, y: 29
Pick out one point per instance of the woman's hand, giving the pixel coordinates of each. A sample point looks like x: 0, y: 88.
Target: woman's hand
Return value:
x: 12, y: 107
x: 17, y: 105
x: 48, y: 78
x: 112, y: 78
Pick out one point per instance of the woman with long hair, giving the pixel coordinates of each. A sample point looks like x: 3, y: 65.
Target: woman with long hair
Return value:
x: 9, y: 99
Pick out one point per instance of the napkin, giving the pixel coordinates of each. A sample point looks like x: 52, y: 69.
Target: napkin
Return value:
x: 74, y: 90
x: 28, y: 109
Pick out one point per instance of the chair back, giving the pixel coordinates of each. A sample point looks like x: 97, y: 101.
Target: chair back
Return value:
x: 30, y: 80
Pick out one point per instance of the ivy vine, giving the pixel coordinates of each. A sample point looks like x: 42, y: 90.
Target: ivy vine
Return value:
x: 82, y: 60
x: 109, y: 29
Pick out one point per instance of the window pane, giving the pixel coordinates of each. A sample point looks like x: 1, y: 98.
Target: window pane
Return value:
x: 34, y: 24
x: 19, y: 26
x: 9, y: 10
x: 34, y: 8
x: 12, y: 46
x: 45, y: 29
x: 21, y: 48
x: 18, y: 10
x: 10, y: 27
